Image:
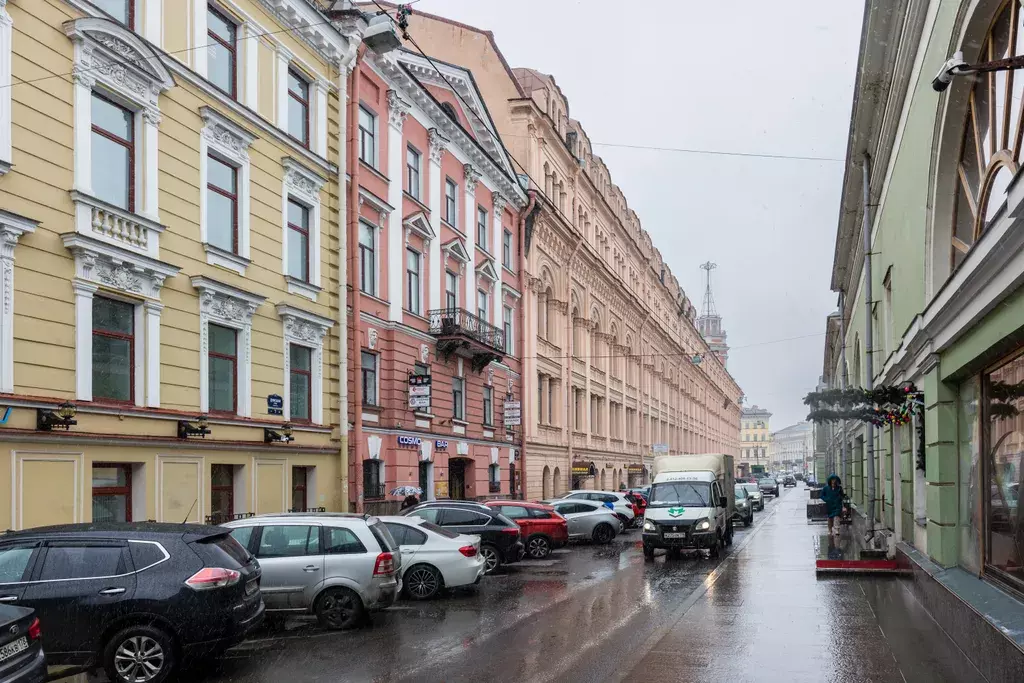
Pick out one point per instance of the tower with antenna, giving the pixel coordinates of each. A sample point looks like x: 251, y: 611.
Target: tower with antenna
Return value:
x: 709, y: 324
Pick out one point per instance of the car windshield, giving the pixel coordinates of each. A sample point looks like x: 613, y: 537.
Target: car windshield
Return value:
x: 740, y: 492
x: 766, y: 482
x: 751, y: 488
x: 441, y: 531
x: 675, y: 493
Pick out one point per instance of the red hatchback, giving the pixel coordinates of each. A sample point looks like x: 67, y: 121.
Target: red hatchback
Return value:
x: 543, y: 528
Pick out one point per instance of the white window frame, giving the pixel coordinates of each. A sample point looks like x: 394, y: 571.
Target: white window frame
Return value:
x: 455, y: 277
x: 306, y: 329
x: 375, y: 122
x: 481, y: 229
x: 226, y: 306
x: 508, y: 239
x: 375, y: 281
x: 488, y: 416
x: 126, y: 276
x: 509, y: 323
x: 376, y: 376
x: 460, y: 414
x: 417, y: 191
x: 302, y: 186
x: 230, y: 143
x: 419, y: 289
x: 484, y: 296
x: 453, y: 219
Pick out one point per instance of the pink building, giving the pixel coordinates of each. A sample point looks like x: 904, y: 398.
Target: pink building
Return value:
x: 434, y: 285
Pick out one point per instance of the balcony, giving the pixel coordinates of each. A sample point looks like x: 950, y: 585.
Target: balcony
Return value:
x: 114, y: 225
x: 461, y: 333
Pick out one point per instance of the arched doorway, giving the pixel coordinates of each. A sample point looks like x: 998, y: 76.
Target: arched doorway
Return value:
x: 558, y: 482
x: 545, y: 486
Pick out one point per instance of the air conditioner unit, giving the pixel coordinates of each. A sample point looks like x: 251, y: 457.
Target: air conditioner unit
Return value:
x: 380, y: 35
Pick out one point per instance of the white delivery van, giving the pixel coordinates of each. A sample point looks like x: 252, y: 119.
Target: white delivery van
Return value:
x: 691, y: 504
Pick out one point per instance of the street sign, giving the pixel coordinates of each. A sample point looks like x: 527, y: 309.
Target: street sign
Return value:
x: 513, y: 413
x: 419, y: 391
x: 275, y: 405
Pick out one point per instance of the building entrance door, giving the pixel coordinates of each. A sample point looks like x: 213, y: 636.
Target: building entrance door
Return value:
x: 457, y: 479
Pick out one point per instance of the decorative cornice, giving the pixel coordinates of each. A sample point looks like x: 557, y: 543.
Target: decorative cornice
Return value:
x: 302, y: 180
x: 303, y: 326
x: 226, y: 135
x: 219, y: 300
x: 105, y: 264
x: 437, y: 143
x: 472, y: 177
x: 398, y: 109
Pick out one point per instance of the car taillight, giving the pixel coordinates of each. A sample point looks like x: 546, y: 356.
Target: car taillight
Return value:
x: 213, y: 577
x: 468, y: 550
x: 35, y: 630
x: 514, y: 530
x: 385, y: 565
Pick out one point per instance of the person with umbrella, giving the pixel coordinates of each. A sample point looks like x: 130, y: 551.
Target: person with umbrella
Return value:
x: 411, y: 494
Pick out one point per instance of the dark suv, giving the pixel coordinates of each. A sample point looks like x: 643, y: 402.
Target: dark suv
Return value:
x: 500, y: 539
x: 788, y: 480
x: 136, y: 599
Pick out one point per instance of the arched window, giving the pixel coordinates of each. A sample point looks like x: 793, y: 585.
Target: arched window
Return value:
x: 542, y: 314
x: 547, y: 179
x: 449, y: 109
x: 577, y: 334
x: 991, y: 147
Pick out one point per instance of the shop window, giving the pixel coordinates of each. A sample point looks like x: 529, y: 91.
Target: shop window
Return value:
x: 1003, y: 440
x: 373, y: 479
x: 222, y: 493
x: 111, y: 492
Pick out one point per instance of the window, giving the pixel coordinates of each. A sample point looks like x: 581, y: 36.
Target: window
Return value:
x: 222, y: 204
x: 412, y: 171
x: 369, y: 365
x: 367, y: 137
x: 449, y: 109
x: 222, y: 493
x: 113, y: 350
x: 367, y: 259
x: 481, y: 304
x: 494, y: 478
x: 412, y: 281
x: 111, y: 492
x: 298, y: 107
x: 300, y: 382
x: 451, y: 204
x: 341, y: 541
x: 82, y: 562
x: 460, y: 517
x: 406, y: 535
x: 373, y: 482
x: 113, y: 153
x: 481, y: 228
x: 242, y: 535
x: 458, y: 398
x: 506, y: 249
x: 298, y: 240
x: 289, y: 541
x: 507, y: 327
x: 515, y: 511
x: 221, y: 52
x: 120, y: 10
x: 14, y: 561
x: 451, y: 290
x: 488, y: 405
x: 429, y: 514
x: 300, y: 500
x: 223, y: 368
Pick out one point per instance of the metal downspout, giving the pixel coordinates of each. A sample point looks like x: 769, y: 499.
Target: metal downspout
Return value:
x: 869, y: 446
x: 523, y: 403
x: 843, y: 380
x: 353, y: 238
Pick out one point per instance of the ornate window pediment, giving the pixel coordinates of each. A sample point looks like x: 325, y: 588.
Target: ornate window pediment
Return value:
x: 305, y: 329
x: 419, y: 223
x: 486, y: 271
x: 457, y: 250
x: 107, y: 265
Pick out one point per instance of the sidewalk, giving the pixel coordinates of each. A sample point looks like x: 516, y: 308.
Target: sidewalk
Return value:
x: 768, y: 616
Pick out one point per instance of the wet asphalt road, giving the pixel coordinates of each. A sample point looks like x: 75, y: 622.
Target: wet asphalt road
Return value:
x: 593, y: 614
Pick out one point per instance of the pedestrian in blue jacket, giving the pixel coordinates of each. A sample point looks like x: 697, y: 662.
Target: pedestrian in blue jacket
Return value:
x: 832, y: 494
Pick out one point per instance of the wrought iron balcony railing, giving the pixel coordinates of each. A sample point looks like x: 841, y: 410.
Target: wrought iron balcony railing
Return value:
x: 467, y: 331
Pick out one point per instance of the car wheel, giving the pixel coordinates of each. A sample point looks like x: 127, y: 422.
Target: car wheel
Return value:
x: 648, y: 552
x: 603, y: 533
x: 338, y: 608
x: 492, y: 558
x: 422, y: 582
x: 538, y: 547
x: 139, y: 654
x: 715, y: 550
x: 748, y: 521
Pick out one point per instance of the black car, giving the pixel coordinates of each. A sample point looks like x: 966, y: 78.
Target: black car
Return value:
x: 135, y: 599
x: 500, y: 539
x: 769, y: 486
x: 789, y: 480
x: 21, y: 646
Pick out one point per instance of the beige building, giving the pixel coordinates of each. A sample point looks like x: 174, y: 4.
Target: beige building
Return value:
x: 168, y: 202
x: 755, y: 439
x: 613, y: 363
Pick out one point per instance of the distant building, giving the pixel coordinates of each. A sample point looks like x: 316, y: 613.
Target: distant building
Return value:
x: 755, y: 438
x: 792, y: 448
x: 709, y: 324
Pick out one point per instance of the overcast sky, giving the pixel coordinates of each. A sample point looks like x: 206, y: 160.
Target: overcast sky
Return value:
x: 741, y: 76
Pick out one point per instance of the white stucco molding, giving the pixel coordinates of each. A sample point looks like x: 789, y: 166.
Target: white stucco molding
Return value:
x: 303, y: 186
x: 12, y: 227
x: 228, y: 306
x: 305, y: 329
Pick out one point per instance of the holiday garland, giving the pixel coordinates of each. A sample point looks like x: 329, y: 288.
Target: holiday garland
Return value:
x: 880, y: 406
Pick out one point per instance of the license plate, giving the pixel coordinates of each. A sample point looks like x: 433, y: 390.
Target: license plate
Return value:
x: 252, y: 587
x: 11, y: 649
x: 678, y: 535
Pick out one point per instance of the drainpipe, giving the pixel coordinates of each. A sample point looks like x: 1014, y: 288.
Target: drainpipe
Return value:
x: 569, y: 339
x: 343, y: 322
x: 842, y: 380
x: 523, y: 402
x: 869, y: 365
x: 353, y: 272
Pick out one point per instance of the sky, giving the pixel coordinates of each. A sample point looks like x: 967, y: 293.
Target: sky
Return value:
x: 742, y: 76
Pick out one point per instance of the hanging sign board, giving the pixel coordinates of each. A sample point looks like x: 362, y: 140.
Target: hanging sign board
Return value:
x: 513, y: 413
x: 419, y: 391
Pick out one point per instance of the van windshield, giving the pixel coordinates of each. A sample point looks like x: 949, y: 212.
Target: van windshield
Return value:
x: 673, y: 493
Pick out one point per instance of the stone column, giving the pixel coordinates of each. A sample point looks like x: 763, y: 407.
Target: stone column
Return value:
x: 469, y: 227
x: 152, y: 311
x: 437, y: 143
x: 83, y: 82
x: 84, y: 292
x: 395, y: 253
x: 12, y: 227
x: 252, y: 65
x: 941, y: 473
x: 151, y: 187
x: 284, y: 58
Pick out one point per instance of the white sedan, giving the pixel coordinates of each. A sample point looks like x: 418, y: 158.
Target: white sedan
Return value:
x: 433, y: 557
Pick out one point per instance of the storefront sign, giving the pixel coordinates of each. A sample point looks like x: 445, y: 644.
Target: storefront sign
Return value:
x: 419, y: 391
x: 583, y: 469
x: 441, y: 445
x: 440, y: 489
x: 409, y: 441
x: 513, y: 413
x: 275, y: 405
x: 660, y: 448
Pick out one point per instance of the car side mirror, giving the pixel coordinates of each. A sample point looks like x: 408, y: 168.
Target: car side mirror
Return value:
x: 723, y: 502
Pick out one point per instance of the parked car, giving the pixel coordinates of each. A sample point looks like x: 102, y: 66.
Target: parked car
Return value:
x: 789, y: 480
x: 754, y: 491
x: 588, y: 519
x: 500, y: 538
x: 623, y: 506
x: 433, y: 557
x: 769, y: 486
x: 22, y: 659
x: 543, y: 528
x: 799, y: 476
x: 744, y: 508
x: 337, y: 566
x: 132, y: 597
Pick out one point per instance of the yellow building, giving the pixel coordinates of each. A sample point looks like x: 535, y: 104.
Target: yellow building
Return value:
x: 755, y: 439
x: 168, y: 215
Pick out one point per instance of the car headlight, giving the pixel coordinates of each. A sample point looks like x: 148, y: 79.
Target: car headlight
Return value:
x: 703, y: 525
x: 648, y: 526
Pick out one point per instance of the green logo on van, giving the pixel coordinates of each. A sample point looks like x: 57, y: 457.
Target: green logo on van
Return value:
x: 676, y: 512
